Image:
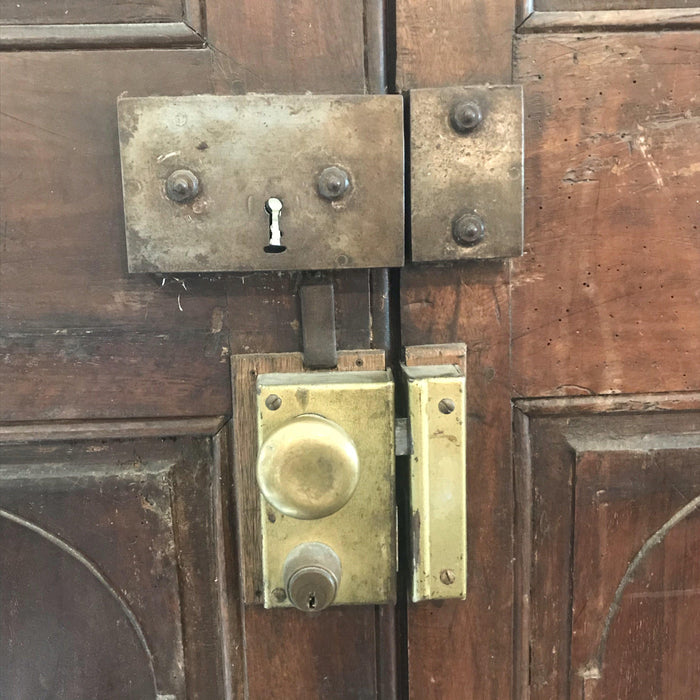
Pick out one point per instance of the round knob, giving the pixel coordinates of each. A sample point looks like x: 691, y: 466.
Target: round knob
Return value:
x: 308, y: 468
x: 312, y: 574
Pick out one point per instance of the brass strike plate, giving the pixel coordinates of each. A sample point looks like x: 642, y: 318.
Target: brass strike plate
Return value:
x: 262, y: 182
x: 360, y: 528
x: 466, y: 172
x: 437, y: 419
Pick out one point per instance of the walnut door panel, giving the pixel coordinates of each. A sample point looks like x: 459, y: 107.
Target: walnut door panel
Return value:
x: 110, y: 560
x: 609, y: 537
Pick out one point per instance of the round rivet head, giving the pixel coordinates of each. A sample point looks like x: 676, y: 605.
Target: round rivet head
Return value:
x: 182, y: 185
x: 312, y: 573
x: 308, y: 468
x: 333, y: 182
x: 465, y: 116
x: 468, y: 229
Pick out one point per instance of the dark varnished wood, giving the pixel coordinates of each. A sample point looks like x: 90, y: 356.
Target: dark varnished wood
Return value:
x: 459, y: 42
x: 17, y: 37
x: 605, y: 298
x: 464, y: 649
x: 287, y: 47
x: 133, y: 602
x: 559, y: 5
x: 608, y: 570
x: 84, y: 11
x: 469, y: 304
x: 580, y: 21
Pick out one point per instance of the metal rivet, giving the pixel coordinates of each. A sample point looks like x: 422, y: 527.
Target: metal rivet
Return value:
x: 446, y: 406
x: 273, y: 402
x: 447, y: 576
x: 279, y: 594
x: 182, y: 185
x: 468, y: 229
x: 333, y: 182
x: 465, y: 116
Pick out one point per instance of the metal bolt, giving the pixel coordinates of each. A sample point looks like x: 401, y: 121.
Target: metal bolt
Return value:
x: 273, y: 402
x: 446, y: 406
x: 468, y: 229
x: 279, y: 594
x: 182, y: 185
x: 447, y: 576
x: 333, y: 182
x: 465, y: 116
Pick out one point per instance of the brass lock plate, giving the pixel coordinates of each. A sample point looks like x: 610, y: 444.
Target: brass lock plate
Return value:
x: 262, y: 182
x: 350, y: 415
x: 466, y: 172
x: 437, y: 412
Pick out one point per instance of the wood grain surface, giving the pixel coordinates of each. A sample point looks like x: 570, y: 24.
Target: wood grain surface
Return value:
x: 457, y: 42
x: 464, y: 649
x: 287, y: 46
x: 608, y: 533
x: 606, y: 296
x: 87, y: 11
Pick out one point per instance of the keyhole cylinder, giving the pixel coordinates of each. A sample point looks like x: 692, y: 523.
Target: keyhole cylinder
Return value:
x: 312, y: 574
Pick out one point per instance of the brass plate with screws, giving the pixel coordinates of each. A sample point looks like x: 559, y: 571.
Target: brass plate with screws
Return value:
x: 466, y: 172
x: 362, y: 531
x: 437, y: 418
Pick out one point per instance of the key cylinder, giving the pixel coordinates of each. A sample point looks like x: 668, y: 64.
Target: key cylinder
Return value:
x: 312, y: 574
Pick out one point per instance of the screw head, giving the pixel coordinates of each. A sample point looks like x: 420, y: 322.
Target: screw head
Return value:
x: 468, y: 229
x: 279, y: 594
x: 446, y: 406
x: 182, y: 185
x: 447, y: 576
x: 273, y: 402
x: 465, y: 116
x: 333, y: 182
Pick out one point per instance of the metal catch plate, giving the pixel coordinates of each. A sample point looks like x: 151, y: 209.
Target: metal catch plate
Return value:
x: 361, y: 532
x: 475, y: 175
x: 437, y: 415
x: 246, y: 150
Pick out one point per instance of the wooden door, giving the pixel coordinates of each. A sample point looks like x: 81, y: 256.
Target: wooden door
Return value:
x: 118, y: 542
x: 589, y: 345
x: 118, y: 572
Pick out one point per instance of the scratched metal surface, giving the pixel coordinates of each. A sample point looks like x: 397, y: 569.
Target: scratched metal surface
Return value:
x: 480, y: 171
x: 246, y: 149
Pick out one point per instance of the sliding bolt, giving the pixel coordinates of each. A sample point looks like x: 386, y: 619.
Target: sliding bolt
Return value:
x: 468, y: 229
x: 333, y: 182
x: 182, y: 185
x: 465, y: 116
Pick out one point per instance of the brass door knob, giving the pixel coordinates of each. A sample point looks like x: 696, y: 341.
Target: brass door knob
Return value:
x: 308, y: 468
x: 312, y: 574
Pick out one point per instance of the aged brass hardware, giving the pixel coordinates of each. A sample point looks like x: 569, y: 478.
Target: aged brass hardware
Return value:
x: 325, y: 470
x: 312, y: 573
x: 466, y: 172
x: 324, y: 477
x: 332, y: 165
x: 308, y: 468
x: 437, y: 420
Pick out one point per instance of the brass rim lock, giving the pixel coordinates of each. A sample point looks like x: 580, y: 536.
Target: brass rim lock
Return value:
x: 308, y: 468
x: 312, y: 574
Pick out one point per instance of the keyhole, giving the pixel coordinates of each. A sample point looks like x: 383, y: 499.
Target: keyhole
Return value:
x: 273, y: 207
x: 311, y: 603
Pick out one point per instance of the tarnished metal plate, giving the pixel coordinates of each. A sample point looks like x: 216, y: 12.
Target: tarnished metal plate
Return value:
x: 437, y: 417
x: 362, y: 532
x: 247, y: 149
x: 478, y: 173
